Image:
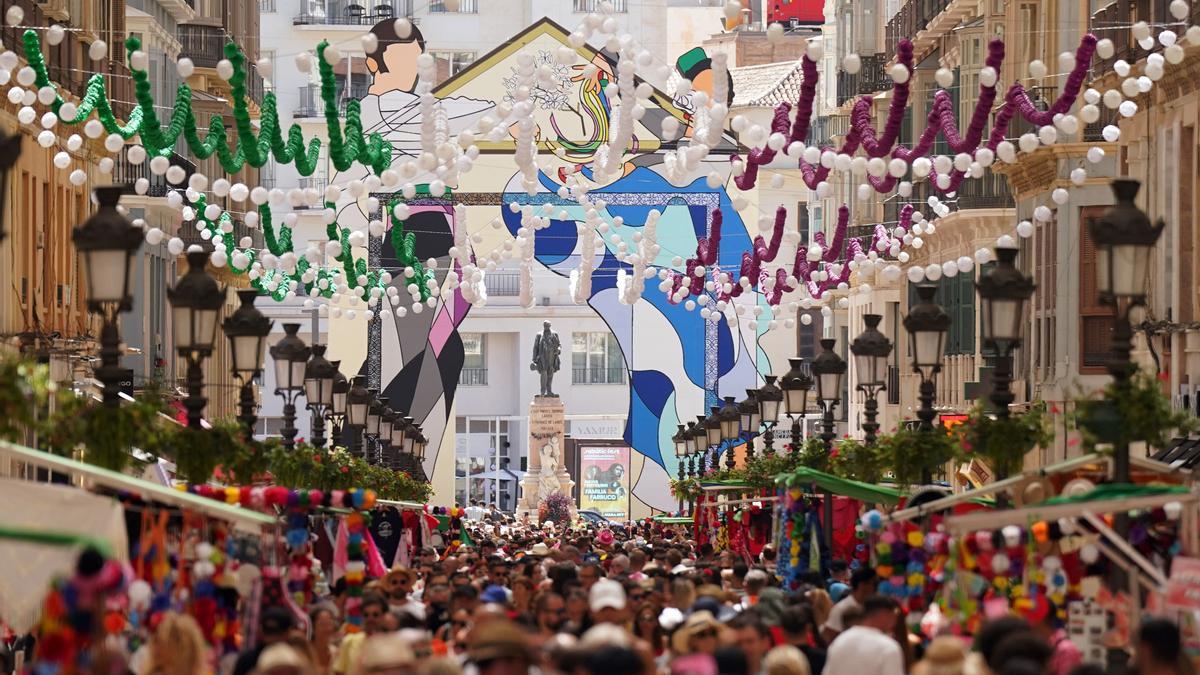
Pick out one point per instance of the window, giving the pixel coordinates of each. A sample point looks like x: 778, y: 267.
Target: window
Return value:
x: 596, y: 359
x: 1095, y: 319
x: 474, y: 370
x: 464, y: 6
x: 450, y: 64
x: 266, y: 6
x: 597, y: 5
x: 956, y: 295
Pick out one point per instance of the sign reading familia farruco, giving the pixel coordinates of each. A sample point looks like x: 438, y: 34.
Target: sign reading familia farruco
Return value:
x: 605, y: 480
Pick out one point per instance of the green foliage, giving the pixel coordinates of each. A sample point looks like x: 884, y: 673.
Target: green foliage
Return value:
x: 24, y: 387
x: 813, y: 454
x: 856, y: 460
x: 198, y: 452
x: 912, y: 454
x: 1139, y: 411
x: 1003, y: 443
x: 336, y: 469
x: 105, y: 435
x: 686, y: 489
x: 556, y: 508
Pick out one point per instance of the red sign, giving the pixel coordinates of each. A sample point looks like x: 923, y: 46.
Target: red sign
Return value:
x: 805, y: 12
x: 1183, y: 587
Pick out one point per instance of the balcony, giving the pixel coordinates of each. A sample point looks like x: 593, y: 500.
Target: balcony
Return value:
x: 1112, y: 21
x: 868, y: 80
x: 989, y: 192
x: 336, y: 13
x: 204, y: 45
x: 473, y: 377
x: 598, y: 375
x: 912, y: 18
x: 312, y: 105
x: 503, y: 283
x: 128, y: 173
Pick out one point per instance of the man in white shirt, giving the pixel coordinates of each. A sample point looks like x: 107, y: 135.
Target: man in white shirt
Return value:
x: 863, y: 583
x: 869, y: 646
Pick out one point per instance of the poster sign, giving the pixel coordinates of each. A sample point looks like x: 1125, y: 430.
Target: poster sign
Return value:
x: 1086, y: 623
x: 605, y: 484
x: 1183, y: 587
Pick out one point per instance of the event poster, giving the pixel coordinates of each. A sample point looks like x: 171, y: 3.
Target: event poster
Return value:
x: 605, y: 486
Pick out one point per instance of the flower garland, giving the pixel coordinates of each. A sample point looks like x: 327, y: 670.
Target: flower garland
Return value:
x: 356, y: 568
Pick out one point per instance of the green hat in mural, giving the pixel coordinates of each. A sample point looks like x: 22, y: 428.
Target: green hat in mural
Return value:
x: 693, y: 62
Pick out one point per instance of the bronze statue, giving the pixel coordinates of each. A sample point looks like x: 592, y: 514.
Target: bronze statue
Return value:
x: 546, y: 350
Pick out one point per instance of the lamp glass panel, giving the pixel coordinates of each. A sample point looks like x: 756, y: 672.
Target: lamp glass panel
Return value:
x: 830, y: 385
x: 246, y: 351
x: 768, y: 410
x: 107, y: 271
x: 206, y: 328
x: 927, y: 348
x: 1131, y: 269
x: 182, y: 318
x: 796, y: 399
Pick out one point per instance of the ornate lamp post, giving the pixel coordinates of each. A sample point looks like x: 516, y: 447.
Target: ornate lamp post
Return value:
x: 927, y: 324
x: 337, y: 412
x: 386, y: 451
x: 681, y: 443
x: 195, y: 306
x: 712, y: 436
x: 397, y: 440
x: 247, y: 330
x: 358, y: 399
x: 730, y: 419
x: 319, y: 374
x: 796, y: 384
x: 828, y: 369
x: 770, y: 397
x: 412, y: 432
x: 1125, y: 241
x: 1003, y: 293
x: 106, y: 241
x: 374, y: 422
x: 291, y: 360
x: 871, y: 349
x: 751, y: 420
x: 693, y: 444
x: 419, y: 446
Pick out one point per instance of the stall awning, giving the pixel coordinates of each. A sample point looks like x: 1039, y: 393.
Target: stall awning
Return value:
x: 244, y: 518
x: 673, y: 520
x: 842, y: 486
x: 1110, y: 498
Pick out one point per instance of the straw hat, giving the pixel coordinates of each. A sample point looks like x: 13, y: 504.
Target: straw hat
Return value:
x: 388, y: 651
x: 499, y: 639
x: 696, y: 623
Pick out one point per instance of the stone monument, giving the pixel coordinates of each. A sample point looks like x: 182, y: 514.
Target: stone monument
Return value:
x: 547, y: 472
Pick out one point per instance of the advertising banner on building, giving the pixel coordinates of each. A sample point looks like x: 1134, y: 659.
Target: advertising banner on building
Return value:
x: 605, y: 484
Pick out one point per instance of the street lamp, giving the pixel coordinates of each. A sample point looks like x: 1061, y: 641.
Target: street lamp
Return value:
x: 770, y: 396
x: 397, y: 440
x: 828, y: 368
x: 337, y: 411
x: 751, y: 420
x: 712, y: 434
x: 106, y: 241
x: 10, y: 152
x: 1125, y: 241
x: 871, y: 349
x: 291, y: 360
x: 1002, y: 293
x: 196, y: 305
x: 694, y: 434
x: 386, y: 451
x: 730, y: 418
x: 358, y: 399
x: 927, y: 324
x: 247, y: 330
x: 681, y: 446
x: 796, y: 384
x: 374, y: 420
x: 319, y: 374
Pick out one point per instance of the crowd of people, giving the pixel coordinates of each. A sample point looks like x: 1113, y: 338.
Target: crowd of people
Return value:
x: 643, y: 600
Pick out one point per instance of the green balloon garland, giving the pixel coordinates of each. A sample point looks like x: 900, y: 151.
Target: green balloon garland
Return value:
x: 345, y: 147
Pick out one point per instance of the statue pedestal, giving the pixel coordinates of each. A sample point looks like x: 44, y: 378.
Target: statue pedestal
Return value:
x: 547, y: 472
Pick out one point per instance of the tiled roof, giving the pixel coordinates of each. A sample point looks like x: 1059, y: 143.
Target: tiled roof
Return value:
x: 767, y: 85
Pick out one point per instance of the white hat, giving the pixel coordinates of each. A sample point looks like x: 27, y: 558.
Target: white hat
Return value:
x: 606, y: 593
x: 540, y: 549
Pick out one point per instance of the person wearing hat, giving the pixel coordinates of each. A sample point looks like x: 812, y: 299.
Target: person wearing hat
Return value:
x: 606, y: 600
x: 274, y: 627
x: 540, y: 550
x: 282, y: 659
x: 697, y: 635
x: 387, y: 653
x: 499, y: 648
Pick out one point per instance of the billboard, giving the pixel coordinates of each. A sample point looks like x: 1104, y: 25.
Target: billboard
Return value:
x: 605, y: 480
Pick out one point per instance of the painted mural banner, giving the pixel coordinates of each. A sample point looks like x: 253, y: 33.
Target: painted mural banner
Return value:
x: 604, y: 487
